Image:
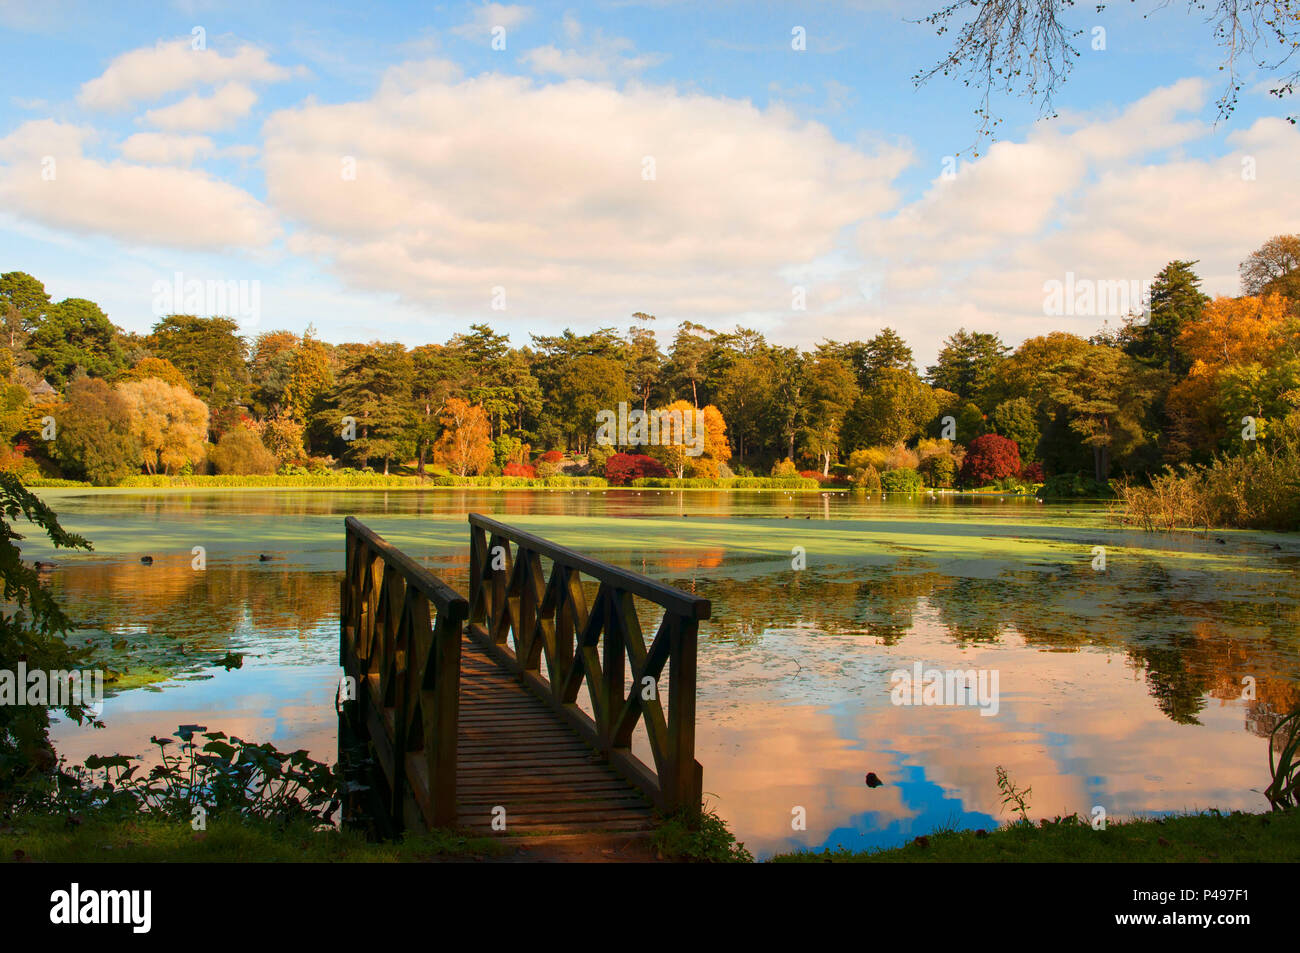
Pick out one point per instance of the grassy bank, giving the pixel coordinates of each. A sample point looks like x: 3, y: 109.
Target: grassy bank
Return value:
x: 1191, y: 838
x: 398, y: 481
x: 148, y: 840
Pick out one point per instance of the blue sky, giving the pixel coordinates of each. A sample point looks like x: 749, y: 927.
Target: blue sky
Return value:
x: 515, y: 177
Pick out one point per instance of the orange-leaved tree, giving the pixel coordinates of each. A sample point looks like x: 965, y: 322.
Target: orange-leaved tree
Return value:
x: 691, y: 440
x: 465, y: 445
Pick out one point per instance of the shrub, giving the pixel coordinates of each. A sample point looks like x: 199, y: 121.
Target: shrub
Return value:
x: 989, y: 458
x: 939, y: 471
x: 863, y: 467
x: 1032, y: 473
x: 785, y: 468
x: 867, y: 478
x: 519, y: 470
x: 901, y: 480
x: 240, y: 452
x: 898, y: 457
x: 597, y: 456
x: 1258, y: 490
x: 1067, y: 486
x: 552, y: 456
x: 622, y: 468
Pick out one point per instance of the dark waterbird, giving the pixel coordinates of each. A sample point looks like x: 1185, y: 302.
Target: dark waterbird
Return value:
x: 264, y: 558
x: 147, y: 560
x: 873, y: 781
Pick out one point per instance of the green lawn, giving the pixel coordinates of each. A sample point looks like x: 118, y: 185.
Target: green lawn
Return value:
x: 1193, y: 838
x: 53, y: 840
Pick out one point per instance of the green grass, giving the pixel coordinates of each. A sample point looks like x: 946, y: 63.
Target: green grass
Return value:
x: 1218, y: 838
x: 143, y: 840
x: 1191, y: 838
x: 705, y: 840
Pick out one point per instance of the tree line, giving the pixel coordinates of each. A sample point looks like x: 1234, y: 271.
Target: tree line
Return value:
x: 1171, y: 386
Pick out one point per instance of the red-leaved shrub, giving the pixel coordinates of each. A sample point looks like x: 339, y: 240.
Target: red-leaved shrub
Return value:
x: 552, y: 456
x: 519, y: 470
x: 622, y: 468
x: 989, y: 458
x: 1032, y: 473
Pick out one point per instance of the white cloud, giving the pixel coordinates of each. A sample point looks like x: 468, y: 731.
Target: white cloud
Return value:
x: 488, y: 16
x: 602, y: 57
x: 1109, y: 199
x: 160, y: 148
x: 196, y: 113
x: 495, y: 180
x: 149, y: 73
x: 138, y: 204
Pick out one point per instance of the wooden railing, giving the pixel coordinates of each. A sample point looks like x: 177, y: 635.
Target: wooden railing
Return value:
x: 521, y: 617
x: 401, y: 630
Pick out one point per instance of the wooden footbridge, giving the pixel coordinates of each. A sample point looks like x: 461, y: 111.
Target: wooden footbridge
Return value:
x: 514, y: 710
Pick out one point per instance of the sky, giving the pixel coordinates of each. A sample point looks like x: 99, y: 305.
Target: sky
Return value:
x: 386, y: 171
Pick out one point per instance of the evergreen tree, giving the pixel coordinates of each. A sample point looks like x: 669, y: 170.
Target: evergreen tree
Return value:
x: 1176, y: 300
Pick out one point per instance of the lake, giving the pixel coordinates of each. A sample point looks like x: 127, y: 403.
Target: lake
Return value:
x: 1147, y: 686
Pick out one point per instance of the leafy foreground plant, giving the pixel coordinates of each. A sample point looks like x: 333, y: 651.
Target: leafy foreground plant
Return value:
x: 32, y: 627
x: 1013, y: 795
x: 705, y: 839
x: 228, y: 778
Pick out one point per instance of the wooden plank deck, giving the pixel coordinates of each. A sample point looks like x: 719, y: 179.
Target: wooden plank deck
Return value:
x: 514, y: 752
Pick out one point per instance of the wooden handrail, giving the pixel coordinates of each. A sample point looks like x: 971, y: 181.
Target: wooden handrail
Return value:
x: 683, y: 603
x: 512, y: 601
x: 400, y: 641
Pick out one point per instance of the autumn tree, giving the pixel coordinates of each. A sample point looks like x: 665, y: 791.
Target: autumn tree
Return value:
x: 437, y: 373
x: 169, y: 424
x: 691, y: 440
x: 284, y: 437
x: 270, y: 366
x: 309, y: 378
x: 1240, y: 352
x: 989, y: 458
x: 94, y: 438
x: 240, y: 451
x: 159, y: 368
x: 1273, y: 268
x: 465, y: 447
